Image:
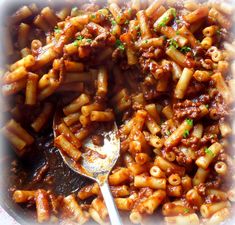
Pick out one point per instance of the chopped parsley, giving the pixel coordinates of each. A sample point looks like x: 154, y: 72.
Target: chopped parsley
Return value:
x: 119, y: 17
x: 103, y: 12
x: 139, y: 33
x: 146, y: 41
x: 186, y: 133
x: 57, y: 30
x: 130, y: 12
x: 93, y: 16
x: 113, y: 22
x: 186, y: 211
x: 126, y: 22
x: 173, y: 43
x: 75, y: 43
x: 219, y: 32
x: 207, y: 106
x: 164, y: 21
x: 79, y: 38
x: 168, y: 132
x: 74, y: 9
x: 177, y: 32
x: 173, y: 12
x: 209, y: 152
x: 185, y: 49
x: 119, y: 45
x: 189, y: 122
x: 137, y: 27
x: 89, y: 40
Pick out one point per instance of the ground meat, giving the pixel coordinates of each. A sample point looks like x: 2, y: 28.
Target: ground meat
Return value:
x: 151, y: 66
x: 98, y: 140
x: 195, y: 89
x: 102, y: 40
x: 206, y: 64
x: 149, y: 80
x: 100, y: 99
x: 84, y: 33
x: 148, y: 54
x: 117, y: 53
x: 191, y: 142
x: 201, y: 188
x: 219, y: 108
x: 199, y: 51
x: 190, y: 108
x: 200, y: 152
x: 167, y: 129
x: 222, y: 157
x: 213, y: 198
x: 208, y: 139
x: 214, y: 183
x: 41, y: 173
x: 149, y: 92
x: 183, y: 160
x: 14, y: 166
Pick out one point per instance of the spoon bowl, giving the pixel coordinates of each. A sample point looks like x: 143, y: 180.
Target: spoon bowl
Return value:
x: 96, y: 161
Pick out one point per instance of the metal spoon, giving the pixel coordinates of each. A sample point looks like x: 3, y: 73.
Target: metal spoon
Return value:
x: 97, y: 162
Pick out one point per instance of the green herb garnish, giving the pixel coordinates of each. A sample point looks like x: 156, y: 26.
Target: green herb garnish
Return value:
x: 113, y: 22
x: 57, y: 30
x: 164, y: 21
x: 75, y: 43
x: 207, y: 106
x: 173, y: 43
x: 219, y: 32
x: 74, y: 9
x: 118, y: 18
x: 137, y: 27
x: 168, y: 133
x: 126, y: 22
x: 186, y: 211
x: 189, y: 122
x: 177, y: 32
x: 79, y: 38
x: 185, y: 49
x: 209, y: 152
x: 186, y: 133
x: 93, y: 16
x: 119, y: 45
x: 146, y: 41
x: 89, y: 40
x: 173, y: 12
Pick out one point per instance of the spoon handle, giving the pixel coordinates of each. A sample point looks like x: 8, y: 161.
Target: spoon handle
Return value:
x: 110, y: 204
